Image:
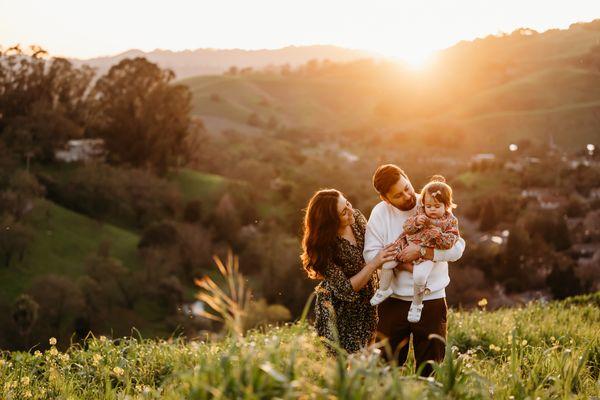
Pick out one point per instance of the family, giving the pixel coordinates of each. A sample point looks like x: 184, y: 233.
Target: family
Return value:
x: 385, y: 278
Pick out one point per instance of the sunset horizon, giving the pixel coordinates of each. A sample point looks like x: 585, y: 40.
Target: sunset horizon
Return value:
x: 406, y: 32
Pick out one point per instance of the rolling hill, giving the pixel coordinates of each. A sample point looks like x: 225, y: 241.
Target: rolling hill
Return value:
x: 61, y: 243
x: 497, y: 90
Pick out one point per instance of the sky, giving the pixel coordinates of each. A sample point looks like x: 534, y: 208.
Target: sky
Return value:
x: 407, y: 30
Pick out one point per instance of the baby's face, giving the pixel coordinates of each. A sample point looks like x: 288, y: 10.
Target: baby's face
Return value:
x: 433, y: 208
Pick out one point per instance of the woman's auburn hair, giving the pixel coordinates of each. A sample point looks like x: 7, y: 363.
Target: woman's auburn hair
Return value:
x: 321, y: 222
x: 439, y: 190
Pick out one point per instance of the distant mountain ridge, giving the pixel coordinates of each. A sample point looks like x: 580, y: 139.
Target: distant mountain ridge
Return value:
x: 188, y: 63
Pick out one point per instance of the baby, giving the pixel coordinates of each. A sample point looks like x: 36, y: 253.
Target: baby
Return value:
x: 433, y: 225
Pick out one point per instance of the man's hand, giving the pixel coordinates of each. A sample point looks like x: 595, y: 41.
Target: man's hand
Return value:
x: 410, y: 253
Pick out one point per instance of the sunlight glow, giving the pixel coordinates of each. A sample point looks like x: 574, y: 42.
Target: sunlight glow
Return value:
x: 410, y: 31
x: 417, y: 60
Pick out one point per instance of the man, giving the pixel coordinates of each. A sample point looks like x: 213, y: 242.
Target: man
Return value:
x: 398, y: 202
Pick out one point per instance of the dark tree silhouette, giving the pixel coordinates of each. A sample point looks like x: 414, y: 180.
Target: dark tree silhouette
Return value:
x: 142, y: 117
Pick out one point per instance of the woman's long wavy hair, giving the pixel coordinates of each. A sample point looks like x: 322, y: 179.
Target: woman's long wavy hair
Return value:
x: 321, y: 223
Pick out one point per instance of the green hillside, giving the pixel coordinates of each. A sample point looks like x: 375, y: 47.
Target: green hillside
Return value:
x: 62, y: 240
x: 293, y: 101
x: 541, y: 351
x: 199, y: 185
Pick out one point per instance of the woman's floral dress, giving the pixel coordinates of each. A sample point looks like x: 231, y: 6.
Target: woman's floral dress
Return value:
x: 338, y: 306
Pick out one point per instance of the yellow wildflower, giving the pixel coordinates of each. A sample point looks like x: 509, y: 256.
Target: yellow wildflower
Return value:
x: 495, y: 348
x: 25, y: 380
x: 118, y: 371
x: 96, y: 359
x: 482, y: 303
x: 52, y: 341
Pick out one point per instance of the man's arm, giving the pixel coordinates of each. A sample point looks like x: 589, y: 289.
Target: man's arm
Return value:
x: 412, y: 252
x: 374, y: 239
x: 452, y: 254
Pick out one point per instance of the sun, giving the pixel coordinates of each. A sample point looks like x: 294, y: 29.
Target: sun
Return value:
x: 416, y: 55
x: 416, y: 60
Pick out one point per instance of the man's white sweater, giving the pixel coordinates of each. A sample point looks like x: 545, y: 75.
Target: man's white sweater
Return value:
x: 384, y: 227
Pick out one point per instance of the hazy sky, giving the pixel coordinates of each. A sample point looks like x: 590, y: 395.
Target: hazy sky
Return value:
x: 405, y: 29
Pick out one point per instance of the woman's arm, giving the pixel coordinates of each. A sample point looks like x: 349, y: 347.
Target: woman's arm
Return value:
x: 386, y: 254
x: 346, y: 288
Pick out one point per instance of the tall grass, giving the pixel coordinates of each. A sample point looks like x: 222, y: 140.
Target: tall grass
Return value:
x: 543, y: 350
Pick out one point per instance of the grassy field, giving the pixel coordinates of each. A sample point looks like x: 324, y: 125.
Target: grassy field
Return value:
x: 541, y: 351
x: 199, y: 185
x: 62, y: 240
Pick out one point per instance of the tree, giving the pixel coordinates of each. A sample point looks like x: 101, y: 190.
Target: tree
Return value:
x: 226, y: 219
x: 14, y: 239
x: 514, y: 271
x: 193, y: 211
x: 40, y: 133
x: 25, y: 313
x: 163, y: 234
x: 551, y: 227
x: 562, y: 280
x: 42, y: 103
x: 114, y: 280
x: 59, y: 299
x: 142, y: 117
x: 23, y: 189
x: 488, y: 218
x: 171, y: 292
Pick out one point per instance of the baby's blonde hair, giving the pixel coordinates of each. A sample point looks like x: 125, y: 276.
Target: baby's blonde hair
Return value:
x: 439, y: 190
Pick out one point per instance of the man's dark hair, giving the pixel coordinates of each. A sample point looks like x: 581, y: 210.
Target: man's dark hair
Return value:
x: 386, y: 176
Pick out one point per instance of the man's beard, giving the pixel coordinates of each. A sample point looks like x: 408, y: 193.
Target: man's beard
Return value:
x: 409, y: 205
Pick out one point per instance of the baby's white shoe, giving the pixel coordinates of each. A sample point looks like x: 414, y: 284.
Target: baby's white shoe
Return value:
x: 414, y: 314
x: 380, y: 295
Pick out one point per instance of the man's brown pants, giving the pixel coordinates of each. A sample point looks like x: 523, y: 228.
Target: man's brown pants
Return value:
x: 394, y: 326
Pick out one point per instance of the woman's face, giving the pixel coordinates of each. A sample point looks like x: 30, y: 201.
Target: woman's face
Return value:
x: 345, y: 212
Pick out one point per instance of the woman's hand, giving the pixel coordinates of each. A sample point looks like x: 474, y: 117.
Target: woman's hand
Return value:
x: 388, y: 253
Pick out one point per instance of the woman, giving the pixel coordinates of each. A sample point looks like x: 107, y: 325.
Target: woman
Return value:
x: 334, y: 235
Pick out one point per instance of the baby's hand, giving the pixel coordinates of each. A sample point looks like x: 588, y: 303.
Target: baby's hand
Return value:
x: 422, y: 220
